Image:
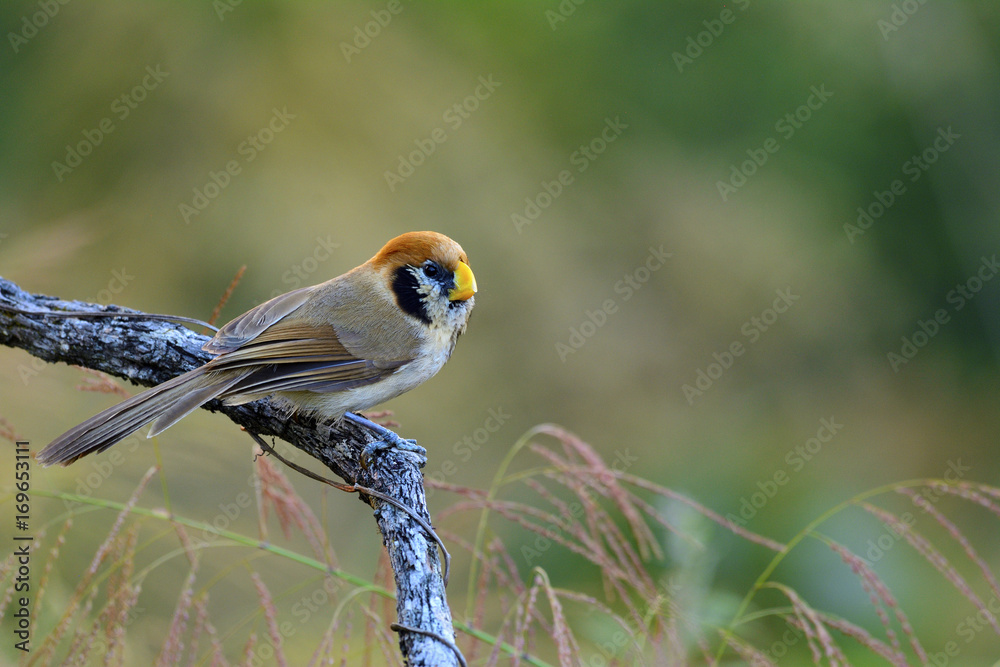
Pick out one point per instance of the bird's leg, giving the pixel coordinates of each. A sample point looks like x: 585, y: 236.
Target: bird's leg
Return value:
x: 387, y: 439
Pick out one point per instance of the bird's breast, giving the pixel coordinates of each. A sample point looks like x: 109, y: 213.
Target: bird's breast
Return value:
x: 431, y: 356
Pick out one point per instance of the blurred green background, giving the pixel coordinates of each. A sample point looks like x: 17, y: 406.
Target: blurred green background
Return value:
x: 741, y: 138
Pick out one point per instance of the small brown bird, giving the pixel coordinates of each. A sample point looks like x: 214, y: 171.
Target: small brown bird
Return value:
x: 348, y: 344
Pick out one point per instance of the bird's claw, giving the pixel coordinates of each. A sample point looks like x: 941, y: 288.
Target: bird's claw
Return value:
x: 392, y: 441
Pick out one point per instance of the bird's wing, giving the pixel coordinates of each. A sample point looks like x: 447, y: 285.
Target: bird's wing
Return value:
x: 251, y: 324
x: 300, y: 356
x: 307, y: 352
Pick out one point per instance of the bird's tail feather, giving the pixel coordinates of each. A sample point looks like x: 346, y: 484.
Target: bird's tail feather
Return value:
x: 163, y: 404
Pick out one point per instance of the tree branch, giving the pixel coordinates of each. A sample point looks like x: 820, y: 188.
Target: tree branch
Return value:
x: 150, y: 352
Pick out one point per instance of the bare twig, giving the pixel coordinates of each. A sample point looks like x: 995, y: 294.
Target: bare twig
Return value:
x: 225, y: 295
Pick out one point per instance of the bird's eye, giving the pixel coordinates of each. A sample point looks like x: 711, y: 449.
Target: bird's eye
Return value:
x: 431, y: 270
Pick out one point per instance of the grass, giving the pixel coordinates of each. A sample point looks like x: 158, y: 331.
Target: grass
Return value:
x: 569, y: 502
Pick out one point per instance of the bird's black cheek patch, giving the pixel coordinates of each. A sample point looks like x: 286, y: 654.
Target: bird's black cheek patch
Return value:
x: 405, y: 286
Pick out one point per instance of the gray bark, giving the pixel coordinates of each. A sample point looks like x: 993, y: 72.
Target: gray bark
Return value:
x: 149, y: 352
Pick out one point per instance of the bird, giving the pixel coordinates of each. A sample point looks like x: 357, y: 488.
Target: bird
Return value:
x: 331, y: 349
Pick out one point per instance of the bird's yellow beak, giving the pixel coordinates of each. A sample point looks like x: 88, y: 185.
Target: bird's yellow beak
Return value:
x: 465, y: 283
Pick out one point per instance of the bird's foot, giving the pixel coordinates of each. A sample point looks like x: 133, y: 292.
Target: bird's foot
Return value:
x: 387, y: 440
x: 392, y: 441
